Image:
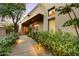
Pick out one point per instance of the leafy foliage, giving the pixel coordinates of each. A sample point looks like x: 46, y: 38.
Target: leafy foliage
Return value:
x: 76, y: 5
x: 64, y: 9
x: 9, y: 28
x: 12, y: 10
x: 72, y: 22
x: 59, y: 43
x: 7, y: 42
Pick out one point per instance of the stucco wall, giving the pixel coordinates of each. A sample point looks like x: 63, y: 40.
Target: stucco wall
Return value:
x: 40, y: 26
x: 62, y: 18
x: 59, y: 20
x: 6, y: 20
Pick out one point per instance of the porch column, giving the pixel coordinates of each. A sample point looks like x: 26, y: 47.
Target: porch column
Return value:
x: 45, y: 20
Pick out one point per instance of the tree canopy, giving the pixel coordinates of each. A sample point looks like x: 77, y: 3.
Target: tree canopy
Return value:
x: 12, y: 10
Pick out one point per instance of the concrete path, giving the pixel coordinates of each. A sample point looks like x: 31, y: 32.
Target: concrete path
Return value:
x: 28, y: 47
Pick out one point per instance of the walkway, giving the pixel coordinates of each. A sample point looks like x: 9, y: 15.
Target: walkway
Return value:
x: 28, y: 47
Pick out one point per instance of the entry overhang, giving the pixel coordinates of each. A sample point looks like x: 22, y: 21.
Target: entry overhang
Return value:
x: 38, y: 17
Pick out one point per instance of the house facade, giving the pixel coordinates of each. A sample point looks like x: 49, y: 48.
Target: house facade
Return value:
x: 2, y: 30
x: 5, y: 21
x: 44, y: 17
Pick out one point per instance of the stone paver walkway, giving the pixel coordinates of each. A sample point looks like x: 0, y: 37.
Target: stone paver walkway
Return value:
x: 28, y: 47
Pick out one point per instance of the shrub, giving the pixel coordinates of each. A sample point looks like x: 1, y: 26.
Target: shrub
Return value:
x: 6, y: 43
x: 9, y: 28
x: 59, y: 43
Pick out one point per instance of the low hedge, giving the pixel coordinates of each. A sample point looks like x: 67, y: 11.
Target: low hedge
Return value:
x: 59, y: 43
x: 6, y: 42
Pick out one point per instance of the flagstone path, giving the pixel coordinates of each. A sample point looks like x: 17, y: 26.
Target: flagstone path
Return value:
x: 28, y: 47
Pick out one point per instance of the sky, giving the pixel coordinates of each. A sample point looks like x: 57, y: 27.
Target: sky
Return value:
x: 30, y: 6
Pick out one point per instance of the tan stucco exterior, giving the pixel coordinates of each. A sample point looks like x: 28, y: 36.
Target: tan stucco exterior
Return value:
x: 59, y: 20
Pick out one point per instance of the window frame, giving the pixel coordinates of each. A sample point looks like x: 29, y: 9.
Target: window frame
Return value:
x: 50, y: 10
x: 49, y: 16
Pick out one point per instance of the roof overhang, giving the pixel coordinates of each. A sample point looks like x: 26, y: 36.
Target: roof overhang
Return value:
x: 38, y: 17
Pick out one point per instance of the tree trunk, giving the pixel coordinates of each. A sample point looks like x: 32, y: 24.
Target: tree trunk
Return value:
x: 74, y: 13
x: 16, y: 28
x: 15, y: 25
x: 75, y: 16
x: 76, y: 31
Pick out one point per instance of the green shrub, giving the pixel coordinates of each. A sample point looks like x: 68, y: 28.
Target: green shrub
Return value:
x: 59, y: 43
x: 9, y: 27
x: 6, y: 42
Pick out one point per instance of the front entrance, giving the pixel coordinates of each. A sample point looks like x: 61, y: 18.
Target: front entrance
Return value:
x: 35, y: 24
x: 35, y: 27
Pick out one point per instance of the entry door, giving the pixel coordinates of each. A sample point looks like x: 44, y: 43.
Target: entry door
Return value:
x: 52, y: 25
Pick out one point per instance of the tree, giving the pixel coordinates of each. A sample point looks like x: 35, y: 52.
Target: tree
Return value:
x: 75, y: 5
x: 14, y: 11
x: 67, y: 9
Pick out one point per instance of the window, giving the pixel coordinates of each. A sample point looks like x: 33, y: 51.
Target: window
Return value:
x: 51, y: 12
x: 51, y: 21
x: 51, y: 25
